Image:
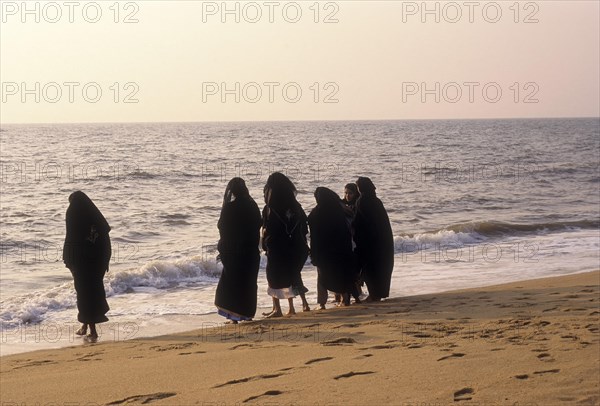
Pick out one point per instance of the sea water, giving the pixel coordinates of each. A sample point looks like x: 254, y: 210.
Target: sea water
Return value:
x: 471, y: 203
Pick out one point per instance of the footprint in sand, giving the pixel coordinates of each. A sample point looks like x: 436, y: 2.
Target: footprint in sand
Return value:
x: 545, y: 357
x: 524, y: 376
x: 339, y: 341
x: 379, y: 347
x: 592, y: 328
x: 169, y: 347
x: 453, y: 355
x: 249, y: 379
x: 34, y: 364
x: 235, y: 347
x: 312, y: 361
x: 267, y: 393
x: 352, y: 373
x: 88, y: 357
x: 463, y: 394
x: 548, y: 371
x: 143, y: 399
x: 348, y: 325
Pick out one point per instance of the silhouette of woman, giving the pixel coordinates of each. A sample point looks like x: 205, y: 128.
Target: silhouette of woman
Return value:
x: 239, y: 228
x: 374, y: 241
x: 331, y: 247
x: 284, y: 241
x: 86, y: 253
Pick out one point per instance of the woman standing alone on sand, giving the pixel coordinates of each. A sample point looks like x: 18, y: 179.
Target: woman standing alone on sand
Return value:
x: 86, y: 253
x: 239, y: 228
x: 284, y: 241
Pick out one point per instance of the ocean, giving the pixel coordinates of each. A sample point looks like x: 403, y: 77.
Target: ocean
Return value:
x: 471, y: 202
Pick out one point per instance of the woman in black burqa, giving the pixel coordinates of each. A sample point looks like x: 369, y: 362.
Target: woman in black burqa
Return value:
x: 284, y: 241
x: 374, y: 241
x: 331, y: 247
x: 239, y: 229
x: 86, y: 253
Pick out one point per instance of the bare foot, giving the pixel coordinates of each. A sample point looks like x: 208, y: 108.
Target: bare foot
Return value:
x: 273, y: 314
x: 268, y: 313
x: 82, y: 330
x: 322, y: 307
x: 306, y: 308
x: 91, y: 338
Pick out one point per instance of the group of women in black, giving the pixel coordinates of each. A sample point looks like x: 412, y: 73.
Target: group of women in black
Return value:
x: 350, y: 242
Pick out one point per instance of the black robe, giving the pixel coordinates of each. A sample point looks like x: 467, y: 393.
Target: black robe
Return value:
x: 331, y: 249
x: 239, y: 229
x: 374, y: 245
x: 284, y: 240
x: 87, y: 252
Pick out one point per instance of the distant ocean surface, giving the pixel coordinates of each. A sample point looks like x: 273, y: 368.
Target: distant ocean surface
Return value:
x: 471, y: 202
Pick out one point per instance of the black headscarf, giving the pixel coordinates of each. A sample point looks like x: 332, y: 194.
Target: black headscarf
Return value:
x: 240, y: 220
x: 236, y: 189
x: 280, y: 193
x: 87, y: 242
x: 326, y: 197
x: 365, y: 186
x: 85, y: 210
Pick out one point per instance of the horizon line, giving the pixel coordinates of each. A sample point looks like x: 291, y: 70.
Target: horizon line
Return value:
x: 293, y: 121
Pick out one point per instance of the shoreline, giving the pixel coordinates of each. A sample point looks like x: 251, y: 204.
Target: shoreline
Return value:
x: 534, y: 341
x: 58, y: 335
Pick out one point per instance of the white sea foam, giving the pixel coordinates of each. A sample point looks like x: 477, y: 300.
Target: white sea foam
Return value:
x: 33, y: 307
x: 164, y: 274
x: 443, y: 238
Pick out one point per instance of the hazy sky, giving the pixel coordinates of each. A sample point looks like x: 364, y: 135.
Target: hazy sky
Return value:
x: 192, y: 61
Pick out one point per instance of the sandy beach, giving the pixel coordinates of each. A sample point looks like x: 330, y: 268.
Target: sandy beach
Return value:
x: 528, y: 343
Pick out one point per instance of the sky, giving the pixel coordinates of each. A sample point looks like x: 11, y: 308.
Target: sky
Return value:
x: 175, y: 61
